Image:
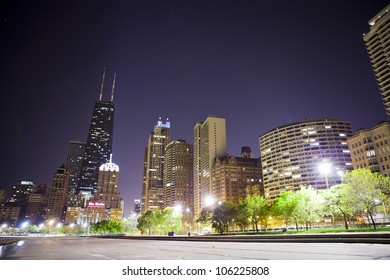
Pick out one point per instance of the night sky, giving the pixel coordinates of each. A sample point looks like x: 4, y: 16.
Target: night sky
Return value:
x: 259, y: 64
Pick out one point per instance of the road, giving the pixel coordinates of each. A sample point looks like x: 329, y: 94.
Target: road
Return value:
x: 82, y: 248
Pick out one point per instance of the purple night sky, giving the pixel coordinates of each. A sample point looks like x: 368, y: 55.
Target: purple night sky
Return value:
x: 259, y: 64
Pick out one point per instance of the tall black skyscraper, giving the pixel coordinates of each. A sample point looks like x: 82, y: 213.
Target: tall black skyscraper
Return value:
x: 99, y: 142
x: 74, y: 162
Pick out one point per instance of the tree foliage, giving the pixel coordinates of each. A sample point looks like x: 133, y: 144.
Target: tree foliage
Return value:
x: 367, y: 190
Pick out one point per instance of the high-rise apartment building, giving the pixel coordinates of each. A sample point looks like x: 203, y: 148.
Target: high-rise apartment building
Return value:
x: 209, y: 144
x: 73, y: 163
x: 57, y: 195
x: 99, y: 142
x: 178, y: 175
x: 378, y: 46
x: 370, y: 148
x: 152, y: 185
x: 231, y: 176
x: 296, y: 154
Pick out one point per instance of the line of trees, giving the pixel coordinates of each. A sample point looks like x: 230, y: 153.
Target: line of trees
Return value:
x: 361, y: 191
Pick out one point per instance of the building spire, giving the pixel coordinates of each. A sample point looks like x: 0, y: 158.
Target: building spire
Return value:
x: 102, y: 85
x: 110, y: 158
x: 113, y: 88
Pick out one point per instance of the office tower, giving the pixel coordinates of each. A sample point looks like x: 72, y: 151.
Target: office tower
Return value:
x: 20, y: 194
x: 99, y: 142
x: 137, y: 206
x: 378, y: 47
x: 153, y: 187
x: 231, y: 176
x: 370, y: 148
x: 310, y: 152
x: 73, y: 163
x: 57, y: 195
x: 209, y: 144
x: 107, y: 191
x: 178, y: 175
x: 36, y: 205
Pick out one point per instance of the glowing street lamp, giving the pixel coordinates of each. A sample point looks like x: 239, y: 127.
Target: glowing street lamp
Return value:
x: 325, y: 169
x: 24, y: 225
x: 209, y: 201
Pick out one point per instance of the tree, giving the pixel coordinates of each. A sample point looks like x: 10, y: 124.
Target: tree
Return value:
x: 309, y: 206
x: 367, y: 190
x: 256, y: 209
x: 285, y: 206
x: 339, y: 202
x: 147, y: 221
x: 107, y: 226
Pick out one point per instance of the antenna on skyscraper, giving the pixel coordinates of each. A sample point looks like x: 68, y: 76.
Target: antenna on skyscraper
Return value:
x: 113, y: 88
x: 102, y: 85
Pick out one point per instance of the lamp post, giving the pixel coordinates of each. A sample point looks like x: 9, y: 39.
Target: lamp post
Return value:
x: 325, y: 168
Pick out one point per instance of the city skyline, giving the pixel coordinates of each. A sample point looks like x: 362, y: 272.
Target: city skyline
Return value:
x: 257, y: 65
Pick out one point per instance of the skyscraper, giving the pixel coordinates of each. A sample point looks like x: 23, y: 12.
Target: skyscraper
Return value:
x: 378, y: 46
x: 57, y: 195
x: 296, y: 154
x: 107, y: 191
x: 73, y: 163
x: 178, y: 175
x: 152, y: 185
x: 99, y: 142
x: 209, y: 144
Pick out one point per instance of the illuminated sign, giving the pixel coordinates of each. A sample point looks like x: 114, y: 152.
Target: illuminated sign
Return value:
x: 95, y: 204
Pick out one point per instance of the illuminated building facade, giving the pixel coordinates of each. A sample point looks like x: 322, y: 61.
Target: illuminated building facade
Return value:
x: 370, y: 148
x: 378, y: 46
x: 57, y: 195
x: 209, y: 144
x: 152, y: 185
x: 291, y: 155
x: 98, y: 147
x: 73, y: 163
x: 178, y: 175
x: 36, y: 205
x: 232, y: 175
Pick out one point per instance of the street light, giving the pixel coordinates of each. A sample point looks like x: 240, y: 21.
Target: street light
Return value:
x: 325, y: 168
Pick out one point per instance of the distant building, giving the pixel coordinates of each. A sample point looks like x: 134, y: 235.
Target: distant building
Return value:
x: 107, y: 191
x: 57, y: 195
x: 9, y: 215
x: 232, y: 175
x: 370, y: 148
x: 178, y: 175
x: 20, y: 194
x: 377, y: 44
x: 137, y: 206
x: 99, y: 142
x: 74, y: 215
x: 36, y: 205
x: 152, y: 185
x: 73, y: 164
x: 3, y: 196
x: 209, y: 144
x: 292, y: 155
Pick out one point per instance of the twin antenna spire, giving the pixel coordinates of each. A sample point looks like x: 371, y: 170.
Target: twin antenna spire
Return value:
x: 102, y: 86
